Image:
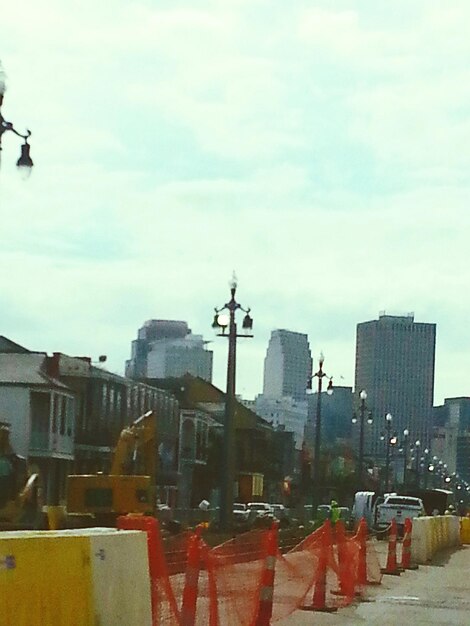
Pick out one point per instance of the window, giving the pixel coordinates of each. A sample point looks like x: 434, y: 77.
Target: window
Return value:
x: 55, y: 412
x: 63, y: 411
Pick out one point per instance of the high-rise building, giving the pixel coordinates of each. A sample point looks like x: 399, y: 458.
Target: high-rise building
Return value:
x: 336, y: 414
x: 168, y: 349
x: 287, y: 365
x: 451, y: 435
x: 395, y: 365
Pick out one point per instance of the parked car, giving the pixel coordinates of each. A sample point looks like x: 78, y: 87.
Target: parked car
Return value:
x: 260, y: 509
x: 240, y: 513
x: 282, y: 514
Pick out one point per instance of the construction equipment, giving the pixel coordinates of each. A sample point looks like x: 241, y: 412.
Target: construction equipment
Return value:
x: 19, y: 497
x: 130, y: 485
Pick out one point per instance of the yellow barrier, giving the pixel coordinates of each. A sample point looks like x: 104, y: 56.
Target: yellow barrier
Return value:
x: 82, y: 577
x: 465, y: 529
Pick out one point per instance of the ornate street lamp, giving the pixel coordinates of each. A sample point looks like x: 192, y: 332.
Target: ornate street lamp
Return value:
x: 225, y: 323
x: 417, y: 447
x: 362, y: 413
x: 320, y: 374
x: 388, y: 436
x: 25, y: 160
x: 406, y: 445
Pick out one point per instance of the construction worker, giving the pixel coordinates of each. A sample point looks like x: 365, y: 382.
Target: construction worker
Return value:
x: 335, y: 512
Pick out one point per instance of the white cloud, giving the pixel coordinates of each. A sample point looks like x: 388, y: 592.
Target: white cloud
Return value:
x: 321, y: 152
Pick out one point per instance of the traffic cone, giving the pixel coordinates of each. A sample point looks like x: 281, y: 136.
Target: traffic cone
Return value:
x: 319, y: 591
x: 406, y: 547
x: 191, y: 585
x: 392, y: 567
x: 346, y: 573
x: 361, y: 537
x: 266, y: 596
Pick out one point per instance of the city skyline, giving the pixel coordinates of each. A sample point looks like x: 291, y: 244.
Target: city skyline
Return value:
x: 319, y: 151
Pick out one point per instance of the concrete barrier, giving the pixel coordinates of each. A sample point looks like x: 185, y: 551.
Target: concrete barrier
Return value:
x: 431, y: 534
x: 465, y: 529
x: 87, y: 577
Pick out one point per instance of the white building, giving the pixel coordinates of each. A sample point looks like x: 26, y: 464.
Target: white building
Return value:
x: 285, y: 411
x: 40, y: 412
x: 287, y: 365
x: 168, y: 349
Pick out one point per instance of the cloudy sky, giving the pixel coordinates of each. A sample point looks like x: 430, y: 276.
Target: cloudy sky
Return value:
x: 320, y: 149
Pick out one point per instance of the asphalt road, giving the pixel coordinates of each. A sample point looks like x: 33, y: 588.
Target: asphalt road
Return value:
x: 435, y: 594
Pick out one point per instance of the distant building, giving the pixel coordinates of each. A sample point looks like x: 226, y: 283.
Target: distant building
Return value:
x: 287, y: 365
x: 168, y: 349
x: 336, y: 415
x: 285, y: 413
x: 451, y: 435
x: 395, y: 365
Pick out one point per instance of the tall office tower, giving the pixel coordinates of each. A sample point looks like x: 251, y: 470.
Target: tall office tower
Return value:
x: 287, y: 365
x: 395, y: 366
x: 167, y: 349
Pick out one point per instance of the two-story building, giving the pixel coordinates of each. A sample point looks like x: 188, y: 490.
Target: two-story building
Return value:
x: 40, y: 411
x: 106, y: 403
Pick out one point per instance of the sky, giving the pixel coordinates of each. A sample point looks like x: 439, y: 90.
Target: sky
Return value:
x: 320, y: 149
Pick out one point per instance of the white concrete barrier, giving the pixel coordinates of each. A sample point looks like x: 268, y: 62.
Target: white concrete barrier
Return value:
x: 93, y: 576
x: 431, y: 534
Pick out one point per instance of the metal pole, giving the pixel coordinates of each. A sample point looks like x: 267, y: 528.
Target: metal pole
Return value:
x: 316, y: 458
x: 361, y: 441
x: 417, y: 447
x: 405, y: 460
x: 228, y: 469
x: 387, y: 458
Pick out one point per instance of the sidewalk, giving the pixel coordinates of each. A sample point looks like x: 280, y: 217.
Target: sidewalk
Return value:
x: 434, y: 595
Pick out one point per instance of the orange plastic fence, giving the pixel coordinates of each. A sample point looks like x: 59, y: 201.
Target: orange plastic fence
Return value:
x: 247, y: 581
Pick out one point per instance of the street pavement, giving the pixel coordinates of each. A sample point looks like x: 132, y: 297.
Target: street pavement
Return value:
x: 435, y: 594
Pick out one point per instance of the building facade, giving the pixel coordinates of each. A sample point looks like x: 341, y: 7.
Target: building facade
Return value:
x: 168, y: 349
x: 283, y: 413
x: 395, y: 359
x: 287, y: 365
x: 451, y: 435
x: 336, y: 414
x: 40, y: 413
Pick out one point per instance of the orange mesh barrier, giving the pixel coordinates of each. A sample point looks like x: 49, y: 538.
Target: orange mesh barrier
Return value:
x: 247, y: 581
x: 230, y: 589
x: 164, y: 606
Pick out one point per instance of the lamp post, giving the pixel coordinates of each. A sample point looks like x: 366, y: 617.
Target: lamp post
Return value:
x: 388, y: 431
x: 25, y: 160
x: 222, y: 322
x: 362, y: 412
x: 320, y: 374
x: 417, y: 447
x: 406, y: 434
x: 426, y: 467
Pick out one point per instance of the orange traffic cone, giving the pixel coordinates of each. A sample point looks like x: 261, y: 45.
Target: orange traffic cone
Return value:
x: 346, y: 563
x: 319, y: 591
x: 406, y: 547
x: 392, y: 566
x: 265, y: 605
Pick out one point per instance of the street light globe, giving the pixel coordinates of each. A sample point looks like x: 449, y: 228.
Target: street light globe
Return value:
x: 223, y: 320
x: 363, y: 395
x: 389, y: 417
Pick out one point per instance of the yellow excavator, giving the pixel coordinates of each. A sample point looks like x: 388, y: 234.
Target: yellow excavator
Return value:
x: 19, y: 490
x: 130, y: 485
